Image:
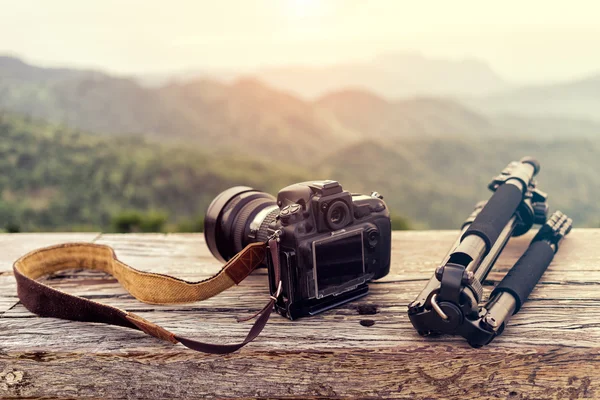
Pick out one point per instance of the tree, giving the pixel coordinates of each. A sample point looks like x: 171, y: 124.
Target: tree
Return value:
x: 400, y: 223
x: 135, y: 221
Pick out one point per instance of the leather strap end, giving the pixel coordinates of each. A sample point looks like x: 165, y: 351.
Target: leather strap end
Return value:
x: 239, y: 267
x: 151, y: 328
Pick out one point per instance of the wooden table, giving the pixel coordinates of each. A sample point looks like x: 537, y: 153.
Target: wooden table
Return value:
x: 551, y: 349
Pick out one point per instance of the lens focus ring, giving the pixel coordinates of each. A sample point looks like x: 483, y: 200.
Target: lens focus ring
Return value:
x: 243, y: 219
x: 263, y: 232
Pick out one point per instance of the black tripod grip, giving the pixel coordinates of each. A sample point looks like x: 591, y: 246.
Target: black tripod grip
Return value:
x: 496, y: 214
x: 525, y: 274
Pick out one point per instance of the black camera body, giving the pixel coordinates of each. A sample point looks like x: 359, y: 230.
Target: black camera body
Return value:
x: 331, y: 244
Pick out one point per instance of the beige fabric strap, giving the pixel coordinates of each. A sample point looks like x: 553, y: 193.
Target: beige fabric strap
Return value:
x: 145, y: 286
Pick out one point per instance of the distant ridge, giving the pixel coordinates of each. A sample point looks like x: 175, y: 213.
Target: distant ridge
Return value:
x: 418, y: 117
x: 574, y: 99
x: 249, y: 114
x: 393, y: 75
x: 245, y: 114
x: 14, y: 68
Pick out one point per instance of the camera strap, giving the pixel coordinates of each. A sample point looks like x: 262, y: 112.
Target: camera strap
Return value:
x: 148, y: 287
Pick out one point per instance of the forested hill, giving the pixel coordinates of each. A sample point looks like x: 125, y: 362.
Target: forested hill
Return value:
x: 52, y: 178
x: 435, y: 183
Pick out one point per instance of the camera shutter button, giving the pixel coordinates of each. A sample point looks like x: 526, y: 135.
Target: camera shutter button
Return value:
x: 287, y: 213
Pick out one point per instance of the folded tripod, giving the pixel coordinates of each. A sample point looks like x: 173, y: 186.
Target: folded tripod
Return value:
x: 450, y: 301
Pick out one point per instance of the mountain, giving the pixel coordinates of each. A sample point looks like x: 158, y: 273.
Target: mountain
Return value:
x: 12, y: 68
x: 437, y: 118
x: 415, y: 117
x: 245, y: 114
x: 546, y: 128
x: 579, y: 99
x: 249, y: 115
x: 83, y: 99
x: 395, y: 75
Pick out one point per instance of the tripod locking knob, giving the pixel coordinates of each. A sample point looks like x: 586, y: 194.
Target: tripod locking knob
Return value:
x: 540, y: 213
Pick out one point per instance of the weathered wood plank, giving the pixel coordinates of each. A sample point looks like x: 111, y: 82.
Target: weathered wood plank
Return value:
x: 421, y: 371
x: 550, y: 349
x: 15, y: 245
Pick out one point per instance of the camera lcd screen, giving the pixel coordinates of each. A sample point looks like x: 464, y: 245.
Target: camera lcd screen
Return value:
x: 338, y: 260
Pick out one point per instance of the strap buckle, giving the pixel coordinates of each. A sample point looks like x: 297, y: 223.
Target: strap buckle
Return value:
x: 275, y: 236
x: 277, y: 293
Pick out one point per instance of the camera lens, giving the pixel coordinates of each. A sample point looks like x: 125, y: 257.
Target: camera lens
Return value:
x: 237, y: 217
x: 338, y: 215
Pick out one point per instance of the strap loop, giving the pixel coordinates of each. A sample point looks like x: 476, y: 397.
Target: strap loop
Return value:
x: 277, y: 293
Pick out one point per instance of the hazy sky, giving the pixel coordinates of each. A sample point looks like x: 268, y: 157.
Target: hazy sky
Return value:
x: 521, y: 40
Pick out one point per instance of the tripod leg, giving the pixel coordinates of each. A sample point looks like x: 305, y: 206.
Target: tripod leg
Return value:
x: 509, y: 296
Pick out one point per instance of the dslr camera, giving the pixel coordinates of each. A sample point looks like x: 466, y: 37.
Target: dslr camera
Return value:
x: 332, y: 242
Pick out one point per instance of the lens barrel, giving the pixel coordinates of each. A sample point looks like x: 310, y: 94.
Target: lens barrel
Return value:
x: 237, y: 217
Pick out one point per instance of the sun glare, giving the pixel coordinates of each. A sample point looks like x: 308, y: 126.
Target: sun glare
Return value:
x: 302, y: 8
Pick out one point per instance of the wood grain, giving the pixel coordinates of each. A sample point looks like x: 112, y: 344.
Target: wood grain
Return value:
x: 550, y: 350
x: 12, y: 246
